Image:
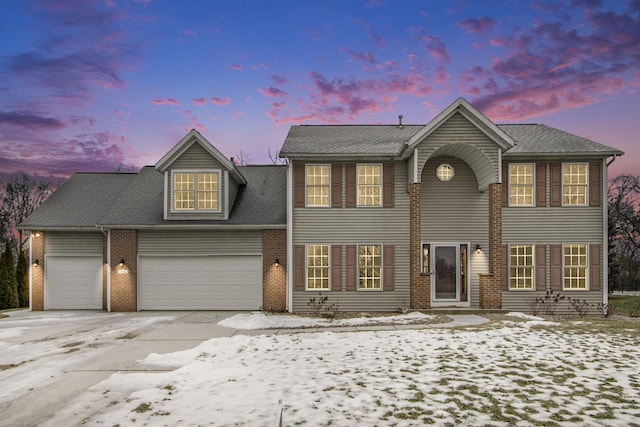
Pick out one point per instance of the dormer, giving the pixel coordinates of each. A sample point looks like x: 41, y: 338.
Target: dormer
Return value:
x: 200, y: 183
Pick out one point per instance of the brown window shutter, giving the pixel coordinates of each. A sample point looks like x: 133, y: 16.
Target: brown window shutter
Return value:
x: 595, y: 269
x: 556, y: 268
x: 505, y: 185
x: 336, y: 186
x: 350, y: 180
x: 299, y: 184
x: 556, y: 184
x: 352, y: 267
x: 389, y: 264
x: 504, y: 268
x: 300, y: 266
x: 541, y: 184
x: 387, y: 185
x: 336, y: 268
x: 541, y: 268
x: 595, y: 185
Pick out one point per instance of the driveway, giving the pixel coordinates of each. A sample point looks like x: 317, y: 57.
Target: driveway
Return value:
x: 49, y: 358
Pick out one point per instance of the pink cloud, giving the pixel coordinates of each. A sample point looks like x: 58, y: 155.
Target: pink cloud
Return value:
x: 278, y: 79
x: 28, y: 120
x: 272, y: 92
x: 190, y: 33
x: 236, y: 67
x: 238, y: 114
x: 168, y: 101
x: 477, y: 25
x: 221, y: 101
x: 199, y: 101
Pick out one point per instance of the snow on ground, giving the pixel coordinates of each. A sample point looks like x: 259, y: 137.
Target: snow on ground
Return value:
x: 259, y: 320
x: 504, y: 374
x: 34, y: 352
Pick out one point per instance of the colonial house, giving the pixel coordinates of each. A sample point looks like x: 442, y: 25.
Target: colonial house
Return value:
x: 460, y: 212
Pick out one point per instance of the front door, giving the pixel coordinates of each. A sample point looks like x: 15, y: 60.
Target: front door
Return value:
x: 449, y: 265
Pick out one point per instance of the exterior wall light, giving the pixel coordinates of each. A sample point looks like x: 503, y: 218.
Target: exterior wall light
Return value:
x: 478, y: 248
x: 36, y: 234
x: 36, y: 263
x: 121, y: 263
x: 277, y: 262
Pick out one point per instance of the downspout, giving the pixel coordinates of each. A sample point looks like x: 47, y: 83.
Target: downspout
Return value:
x: 605, y: 231
x: 30, y: 270
x: 290, y: 237
x: 109, y: 270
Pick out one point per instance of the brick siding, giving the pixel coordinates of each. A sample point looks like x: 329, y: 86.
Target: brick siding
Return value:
x: 124, y: 245
x: 274, y: 293
x: 420, y: 286
x: 490, y: 285
x: 37, y: 272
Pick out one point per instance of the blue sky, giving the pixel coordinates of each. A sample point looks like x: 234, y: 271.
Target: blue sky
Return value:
x: 90, y: 85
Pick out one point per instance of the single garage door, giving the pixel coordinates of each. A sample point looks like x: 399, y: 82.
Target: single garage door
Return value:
x: 200, y: 283
x: 73, y: 282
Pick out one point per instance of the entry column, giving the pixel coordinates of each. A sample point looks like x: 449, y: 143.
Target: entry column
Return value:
x: 420, y: 293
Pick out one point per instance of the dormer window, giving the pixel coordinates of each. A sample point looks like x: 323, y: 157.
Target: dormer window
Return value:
x: 196, y: 191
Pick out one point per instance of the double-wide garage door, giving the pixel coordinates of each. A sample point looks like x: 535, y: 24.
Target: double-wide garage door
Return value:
x: 217, y: 282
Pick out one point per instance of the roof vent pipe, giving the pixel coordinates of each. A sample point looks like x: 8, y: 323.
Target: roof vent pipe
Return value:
x: 400, y: 121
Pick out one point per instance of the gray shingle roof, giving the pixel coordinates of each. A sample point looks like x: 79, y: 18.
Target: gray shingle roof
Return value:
x: 79, y: 202
x: 261, y: 202
x: 544, y: 140
x: 387, y: 140
x: 384, y: 140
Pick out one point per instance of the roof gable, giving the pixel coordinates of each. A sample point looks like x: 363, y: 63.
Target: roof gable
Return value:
x: 194, y: 137
x: 474, y: 116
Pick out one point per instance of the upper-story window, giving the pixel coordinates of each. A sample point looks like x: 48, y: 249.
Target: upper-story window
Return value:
x: 369, y: 185
x: 444, y: 172
x: 521, y: 184
x: 196, y: 191
x: 317, y: 182
x: 575, y: 179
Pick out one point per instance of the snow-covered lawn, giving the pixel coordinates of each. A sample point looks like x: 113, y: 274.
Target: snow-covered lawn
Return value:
x: 517, y: 371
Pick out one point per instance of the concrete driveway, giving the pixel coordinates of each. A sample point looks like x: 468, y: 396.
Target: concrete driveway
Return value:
x: 49, y: 358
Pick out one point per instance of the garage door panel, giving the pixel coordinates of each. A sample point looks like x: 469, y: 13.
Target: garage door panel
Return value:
x: 201, y: 283
x: 73, y: 283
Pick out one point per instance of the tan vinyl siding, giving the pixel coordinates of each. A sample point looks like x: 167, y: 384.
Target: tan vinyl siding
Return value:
x: 552, y: 225
x: 455, y: 212
x: 200, y: 242
x: 455, y: 137
x: 362, y: 225
x: 197, y: 158
x: 64, y: 243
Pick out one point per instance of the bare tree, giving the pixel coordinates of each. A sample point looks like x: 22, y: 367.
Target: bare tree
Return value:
x: 20, y: 196
x: 243, y: 158
x: 624, y: 226
x: 275, y: 158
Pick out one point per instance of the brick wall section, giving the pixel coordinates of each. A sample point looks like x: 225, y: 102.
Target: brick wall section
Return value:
x: 490, y: 285
x: 37, y: 272
x: 420, y: 290
x: 274, y: 285
x: 124, y: 245
x: 105, y: 267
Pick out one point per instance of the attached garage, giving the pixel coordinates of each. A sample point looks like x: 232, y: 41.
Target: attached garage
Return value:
x: 200, y: 283
x: 73, y: 271
x: 194, y: 270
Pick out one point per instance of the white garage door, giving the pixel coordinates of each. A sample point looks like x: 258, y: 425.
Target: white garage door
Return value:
x: 73, y: 283
x: 200, y: 283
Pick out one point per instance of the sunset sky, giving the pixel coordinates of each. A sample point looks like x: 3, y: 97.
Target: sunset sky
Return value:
x: 91, y: 85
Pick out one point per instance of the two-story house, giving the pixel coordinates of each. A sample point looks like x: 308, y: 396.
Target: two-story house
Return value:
x: 459, y: 212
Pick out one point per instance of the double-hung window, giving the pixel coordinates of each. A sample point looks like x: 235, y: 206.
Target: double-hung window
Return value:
x: 369, y: 185
x: 575, y: 179
x: 317, y: 182
x: 521, y: 267
x: 317, y: 267
x: 196, y: 191
x: 521, y: 184
x: 575, y: 263
x: 369, y: 267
